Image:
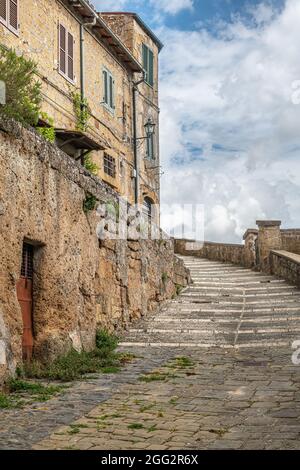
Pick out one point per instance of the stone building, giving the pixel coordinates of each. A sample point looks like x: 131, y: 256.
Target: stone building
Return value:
x: 102, y: 57
x: 59, y: 282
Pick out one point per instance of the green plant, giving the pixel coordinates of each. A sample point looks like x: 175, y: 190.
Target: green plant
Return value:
x: 82, y: 111
x: 164, y: 277
x: 173, y: 400
x: 89, y: 203
x: 23, y: 92
x: 47, y: 132
x: 146, y: 407
x: 135, y: 426
x: 219, y: 432
x: 182, y: 362
x: 152, y: 428
x: 178, y: 288
x: 90, y: 165
x: 75, y: 365
x: 37, y: 390
x: 156, y: 376
x: 7, y: 401
x: 113, y: 209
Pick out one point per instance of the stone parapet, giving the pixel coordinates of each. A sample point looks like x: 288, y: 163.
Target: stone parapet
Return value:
x: 269, y: 238
x: 286, y: 265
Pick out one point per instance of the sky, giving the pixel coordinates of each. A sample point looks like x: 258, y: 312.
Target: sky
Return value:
x: 230, y: 108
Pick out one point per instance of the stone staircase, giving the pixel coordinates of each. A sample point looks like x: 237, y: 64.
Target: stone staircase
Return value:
x: 226, y: 306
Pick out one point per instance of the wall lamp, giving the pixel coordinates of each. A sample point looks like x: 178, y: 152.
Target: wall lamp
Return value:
x: 149, y: 129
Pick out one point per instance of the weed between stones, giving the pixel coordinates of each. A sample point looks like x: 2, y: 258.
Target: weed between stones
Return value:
x: 72, y: 366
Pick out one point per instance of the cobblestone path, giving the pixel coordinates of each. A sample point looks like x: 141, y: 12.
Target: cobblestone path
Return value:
x: 213, y: 371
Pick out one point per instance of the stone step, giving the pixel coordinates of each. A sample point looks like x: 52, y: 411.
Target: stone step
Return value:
x: 202, y: 321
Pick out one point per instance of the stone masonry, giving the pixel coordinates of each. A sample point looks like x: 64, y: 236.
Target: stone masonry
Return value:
x: 79, y: 284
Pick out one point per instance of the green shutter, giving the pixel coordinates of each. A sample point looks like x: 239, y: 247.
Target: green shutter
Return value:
x: 145, y: 61
x: 150, y: 62
x: 105, y: 87
x: 111, y: 92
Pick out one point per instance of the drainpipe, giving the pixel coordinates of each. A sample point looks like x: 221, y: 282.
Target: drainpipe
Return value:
x: 135, y: 149
x: 90, y: 22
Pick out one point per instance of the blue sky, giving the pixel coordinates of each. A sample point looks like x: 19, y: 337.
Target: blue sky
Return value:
x: 230, y: 108
x: 189, y: 17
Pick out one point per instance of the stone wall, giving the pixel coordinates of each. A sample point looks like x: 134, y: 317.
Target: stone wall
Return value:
x: 79, y: 282
x: 267, y: 249
x: 38, y: 40
x: 291, y: 240
x: 224, y: 252
x: 286, y: 265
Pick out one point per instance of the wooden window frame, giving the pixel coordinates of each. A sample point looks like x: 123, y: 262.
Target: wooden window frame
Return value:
x: 108, y: 100
x: 67, y: 55
x: 109, y: 165
x: 6, y: 22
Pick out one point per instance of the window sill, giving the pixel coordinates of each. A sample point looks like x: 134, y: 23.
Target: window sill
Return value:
x: 66, y: 77
x: 10, y: 28
x: 109, y: 109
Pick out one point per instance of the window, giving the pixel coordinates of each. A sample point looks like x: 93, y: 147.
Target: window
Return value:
x: 150, y: 147
x: 66, y: 53
x: 148, y: 208
x: 109, y: 165
x: 9, y: 14
x: 108, y: 90
x: 27, y: 261
x: 148, y: 64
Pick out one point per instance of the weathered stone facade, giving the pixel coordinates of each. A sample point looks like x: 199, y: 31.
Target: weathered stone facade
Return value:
x: 79, y: 282
x: 38, y: 39
x: 286, y: 265
x: 290, y: 240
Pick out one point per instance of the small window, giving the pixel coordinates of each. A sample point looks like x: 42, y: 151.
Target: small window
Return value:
x: 27, y: 261
x: 108, y: 90
x: 109, y: 165
x: 66, y: 53
x: 148, y: 64
x: 150, y: 147
x: 148, y: 208
x: 9, y: 14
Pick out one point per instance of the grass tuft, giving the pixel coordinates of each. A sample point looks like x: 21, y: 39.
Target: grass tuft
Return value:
x: 156, y: 376
x: 135, y: 426
x: 74, y: 365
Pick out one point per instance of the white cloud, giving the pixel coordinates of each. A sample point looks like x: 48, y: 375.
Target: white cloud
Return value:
x: 172, y: 6
x: 230, y: 134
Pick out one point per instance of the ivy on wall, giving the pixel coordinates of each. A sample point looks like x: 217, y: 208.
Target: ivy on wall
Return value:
x: 47, y: 132
x: 82, y: 111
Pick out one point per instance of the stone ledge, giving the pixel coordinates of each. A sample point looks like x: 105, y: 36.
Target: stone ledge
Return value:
x: 235, y: 245
x: 250, y: 231
x: 268, y: 223
x: 287, y: 255
x: 36, y: 146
